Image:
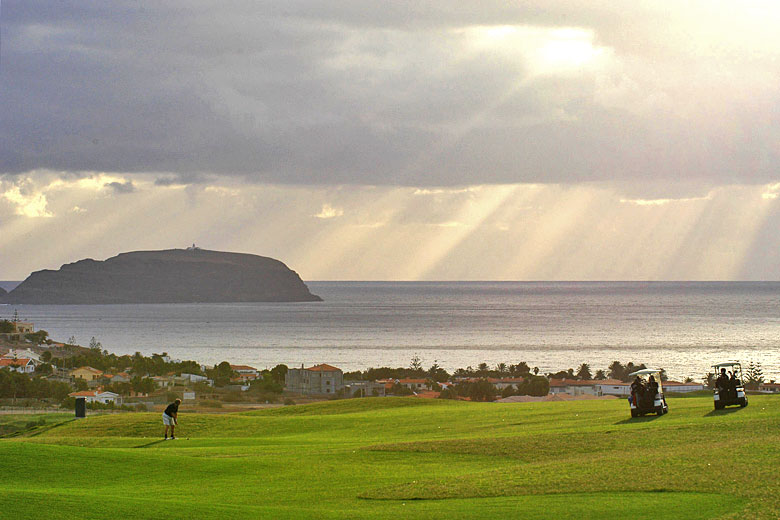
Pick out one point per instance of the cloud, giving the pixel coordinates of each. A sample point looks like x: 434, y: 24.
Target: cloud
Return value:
x: 121, y: 187
x: 28, y: 204
x: 328, y: 212
x: 422, y: 94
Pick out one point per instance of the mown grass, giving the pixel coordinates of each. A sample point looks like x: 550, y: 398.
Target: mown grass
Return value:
x: 405, y: 458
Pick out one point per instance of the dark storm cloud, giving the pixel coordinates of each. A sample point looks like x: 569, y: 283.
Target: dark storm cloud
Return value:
x: 356, y: 92
x: 121, y: 187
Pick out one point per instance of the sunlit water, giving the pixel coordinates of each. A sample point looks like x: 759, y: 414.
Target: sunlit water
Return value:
x: 683, y: 327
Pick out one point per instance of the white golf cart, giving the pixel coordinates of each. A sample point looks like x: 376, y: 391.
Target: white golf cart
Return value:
x: 729, y: 390
x: 649, y: 396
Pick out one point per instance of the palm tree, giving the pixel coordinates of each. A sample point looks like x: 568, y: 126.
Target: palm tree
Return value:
x: 584, y: 372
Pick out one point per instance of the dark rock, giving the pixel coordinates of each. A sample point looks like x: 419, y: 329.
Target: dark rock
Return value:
x: 170, y: 276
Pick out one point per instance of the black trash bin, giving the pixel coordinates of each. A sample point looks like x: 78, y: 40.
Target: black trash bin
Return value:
x: 81, y: 407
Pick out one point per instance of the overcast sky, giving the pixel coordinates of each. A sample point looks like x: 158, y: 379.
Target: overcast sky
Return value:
x: 396, y: 140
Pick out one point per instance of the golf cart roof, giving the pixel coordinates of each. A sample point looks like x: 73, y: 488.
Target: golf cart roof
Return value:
x: 645, y: 372
x: 727, y: 364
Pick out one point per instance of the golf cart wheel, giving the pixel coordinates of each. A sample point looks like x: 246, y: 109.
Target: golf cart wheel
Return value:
x: 743, y: 402
x: 659, y: 411
x: 718, y: 406
x: 634, y: 413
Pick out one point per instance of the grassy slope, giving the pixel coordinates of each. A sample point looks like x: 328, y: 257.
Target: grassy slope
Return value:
x: 404, y: 458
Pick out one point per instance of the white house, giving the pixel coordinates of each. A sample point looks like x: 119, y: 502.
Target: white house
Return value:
x: 613, y: 387
x: 244, y: 369
x: 769, y: 388
x: 96, y: 396
x: 674, y: 386
x: 23, y: 365
x: 22, y: 353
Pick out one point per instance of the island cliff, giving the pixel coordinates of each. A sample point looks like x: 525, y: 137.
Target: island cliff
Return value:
x: 170, y: 276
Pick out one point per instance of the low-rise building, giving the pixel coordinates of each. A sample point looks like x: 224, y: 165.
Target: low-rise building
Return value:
x: 86, y: 373
x: 23, y: 365
x: 504, y: 382
x: 245, y: 369
x: 365, y: 388
x: 769, y: 388
x: 320, y: 379
x: 22, y: 353
x: 97, y: 396
x: 414, y: 384
x: 681, y: 388
x: 20, y: 328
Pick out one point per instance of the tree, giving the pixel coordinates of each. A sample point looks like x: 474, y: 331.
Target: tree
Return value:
x: 6, y: 326
x: 509, y: 390
x: 483, y: 368
x: 448, y: 393
x: 600, y: 375
x: 95, y: 344
x: 399, y: 389
x: 221, y: 374
x: 43, y: 369
x: 37, y: 337
x: 584, y: 372
x: 709, y: 380
x: 415, y: 363
x: 143, y: 385
x: 616, y: 370
x: 536, y: 371
x: 520, y: 368
x: 501, y: 368
x: 437, y: 373
x: 278, y: 373
x: 72, y: 340
x: 46, y: 356
x: 754, y: 376
x: 534, y: 385
x: 482, y: 390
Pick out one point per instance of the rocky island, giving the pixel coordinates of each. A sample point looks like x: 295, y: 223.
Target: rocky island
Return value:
x: 190, y: 275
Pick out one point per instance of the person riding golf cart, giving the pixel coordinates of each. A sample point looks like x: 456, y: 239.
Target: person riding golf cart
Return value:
x: 729, y: 390
x: 647, y: 394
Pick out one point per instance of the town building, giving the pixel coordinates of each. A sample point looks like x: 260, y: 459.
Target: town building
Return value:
x: 22, y: 353
x: 681, y: 388
x: 23, y: 365
x: 365, y: 388
x: 97, y: 396
x: 86, y: 373
x: 318, y: 380
x: 769, y: 388
x: 414, y: 384
x: 20, y: 328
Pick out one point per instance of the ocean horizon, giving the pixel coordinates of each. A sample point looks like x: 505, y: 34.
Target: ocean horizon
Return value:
x: 684, y: 327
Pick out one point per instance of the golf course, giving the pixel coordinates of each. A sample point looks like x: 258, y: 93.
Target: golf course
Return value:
x: 402, y: 458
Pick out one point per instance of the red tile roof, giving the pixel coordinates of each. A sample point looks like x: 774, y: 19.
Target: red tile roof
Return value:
x: 84, y: 393
x: 412, y: 381
x: 20, y: 362
x: 323, y: 368
x: 243, y: 367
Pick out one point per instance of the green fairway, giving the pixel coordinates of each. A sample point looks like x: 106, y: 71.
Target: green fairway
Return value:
x: 403, y: 458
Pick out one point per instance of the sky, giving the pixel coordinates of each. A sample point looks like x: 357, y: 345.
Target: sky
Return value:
x: 419, y: 140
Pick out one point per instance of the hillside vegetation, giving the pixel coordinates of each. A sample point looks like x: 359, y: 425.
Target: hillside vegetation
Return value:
x: 403, y: 458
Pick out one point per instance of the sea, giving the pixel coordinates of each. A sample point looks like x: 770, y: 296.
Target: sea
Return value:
x: 683, y: 327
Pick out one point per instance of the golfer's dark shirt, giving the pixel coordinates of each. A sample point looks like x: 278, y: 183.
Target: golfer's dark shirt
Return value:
x: 172, y: 410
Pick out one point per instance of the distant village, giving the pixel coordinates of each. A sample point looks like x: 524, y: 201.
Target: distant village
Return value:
x: 36, y: 369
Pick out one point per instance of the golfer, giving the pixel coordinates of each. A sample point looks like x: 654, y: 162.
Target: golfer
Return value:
x: 170, y: 415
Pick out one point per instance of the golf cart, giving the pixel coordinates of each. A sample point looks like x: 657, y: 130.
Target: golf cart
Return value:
x: 729, y: 390
x: 648, y: 396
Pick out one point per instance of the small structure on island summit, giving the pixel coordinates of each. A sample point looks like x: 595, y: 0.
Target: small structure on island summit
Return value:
x: 191, y: 275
